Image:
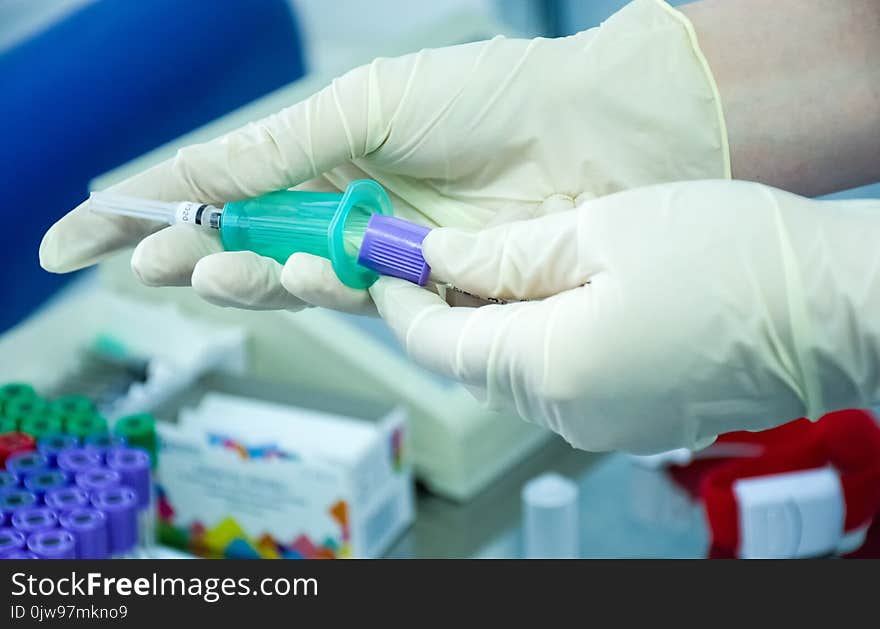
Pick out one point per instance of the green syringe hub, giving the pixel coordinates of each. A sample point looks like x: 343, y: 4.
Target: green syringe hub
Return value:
x: 326, y: 224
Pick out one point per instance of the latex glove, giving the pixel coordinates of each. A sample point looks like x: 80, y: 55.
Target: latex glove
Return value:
x: 675, y: 313
x: 459, y: 136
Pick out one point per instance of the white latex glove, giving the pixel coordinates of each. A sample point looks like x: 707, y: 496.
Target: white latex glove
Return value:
x: 459, y: 136
x: 671, y: 313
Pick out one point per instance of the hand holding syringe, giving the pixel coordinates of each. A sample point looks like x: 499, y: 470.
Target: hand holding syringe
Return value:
x: 353, y: 229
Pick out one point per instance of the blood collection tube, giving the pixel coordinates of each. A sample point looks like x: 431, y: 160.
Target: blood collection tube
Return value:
x: 103, y: 443
x: 76, y: 460
x: 119, y: 506
x: 23, y: 464
x: 51, y: 445
x: 66, y: 499
x: 45, y: 480
x: 98, y: 478
x: 89, y: 527
x: 52, y: 544
x: 133, y: 464
x: 12, y: 500
x: 11, y: 540
x: 34, y: 519
x: 13, y: 443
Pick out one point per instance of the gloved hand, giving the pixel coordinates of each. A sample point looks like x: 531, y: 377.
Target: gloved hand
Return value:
x: 460, y: 136
x: 670, y: 314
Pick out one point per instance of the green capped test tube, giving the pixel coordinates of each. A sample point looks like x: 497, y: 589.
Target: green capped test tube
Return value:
x: 25, y: 411
x: 83, y: 426
x: 41, y: 425
x: 73, y: 406
x: 7, y: 424
x: 15, y: 391
x: 139, y: 431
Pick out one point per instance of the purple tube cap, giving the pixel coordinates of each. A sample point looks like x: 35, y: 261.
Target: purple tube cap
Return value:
x: 89, y: 527
x: 98, y: 478
x: 34, y: 519
x: 24, y: 463
x: 75, y: 460
x: 393, y: 246
x: 10, y: 540
x: 12, y: 500
x: 119, y: 505
x: 134, y: 466
x: 53, y: 544
x: 66, y: 499
x: 45, y: 480
x: 20, y: 554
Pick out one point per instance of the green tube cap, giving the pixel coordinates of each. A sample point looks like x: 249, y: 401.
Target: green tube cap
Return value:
x: 139, y: 431
x: 42, y: 425
x: 83, y: 426
x: 15, y: 391
x: 74, y: 405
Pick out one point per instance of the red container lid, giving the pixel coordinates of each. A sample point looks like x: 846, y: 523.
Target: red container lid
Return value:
x: 14, y: 442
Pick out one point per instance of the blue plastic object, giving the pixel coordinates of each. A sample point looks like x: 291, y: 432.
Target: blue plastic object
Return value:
x: 108, y: 83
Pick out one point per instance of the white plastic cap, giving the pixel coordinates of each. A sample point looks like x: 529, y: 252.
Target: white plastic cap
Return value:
x: 550, y: 518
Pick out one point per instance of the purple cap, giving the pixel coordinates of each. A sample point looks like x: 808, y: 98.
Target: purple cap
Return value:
x: 7, y: 481
x: 393, y: 246
x: 20, y: 554
x: 53, y: 544
x: 75, y: 460
x: 66, y: 499
x: 34, y: 519
x: 119, y: 505
x: 89, y: 527
x: 98, y: 478
x: 24, y: 463
x: 134, y: 466
x: 41, y: 482
x: 102, y: 444
x: 51, y: 445
x: 12, y: 500
x: 10, y: 540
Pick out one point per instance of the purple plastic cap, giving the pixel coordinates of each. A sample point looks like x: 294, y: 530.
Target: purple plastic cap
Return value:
x: 46, y: 480
x: 25, y: 463
x: 89, y: 527
x: 76, y: 460
x: 12, y: 500
x: 66, y: 499
x: 98, y: 478
x: 20, y: 554
x: 10, y: 540
x: 134, y: 466
x: 119, y: 505
x: 102, y: 444
x: 53, y: 444
x: 53, y: 544
x: 393, y: 246
x: 34, y: 519
x: 7, y: 481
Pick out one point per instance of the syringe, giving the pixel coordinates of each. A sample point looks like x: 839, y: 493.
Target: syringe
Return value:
x: 354, y: 230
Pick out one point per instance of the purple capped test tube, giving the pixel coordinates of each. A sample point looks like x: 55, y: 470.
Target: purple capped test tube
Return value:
x: 66, y: 499
x: 102, y: 444
x: 34, y: 519
x: 11, y: 540
x: 52, y: 544
x: 23, y: 463
x: 12, y: 500
x: 89, y: 527
x: 45, y: 480
x: 76, y: 460
x: 133, y: 464
x: 51, y: 445
x: 20, y: 554
x: 393, y: 246
x: 98, y: 478
x: 7, y: 481
x: 119, y: 505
